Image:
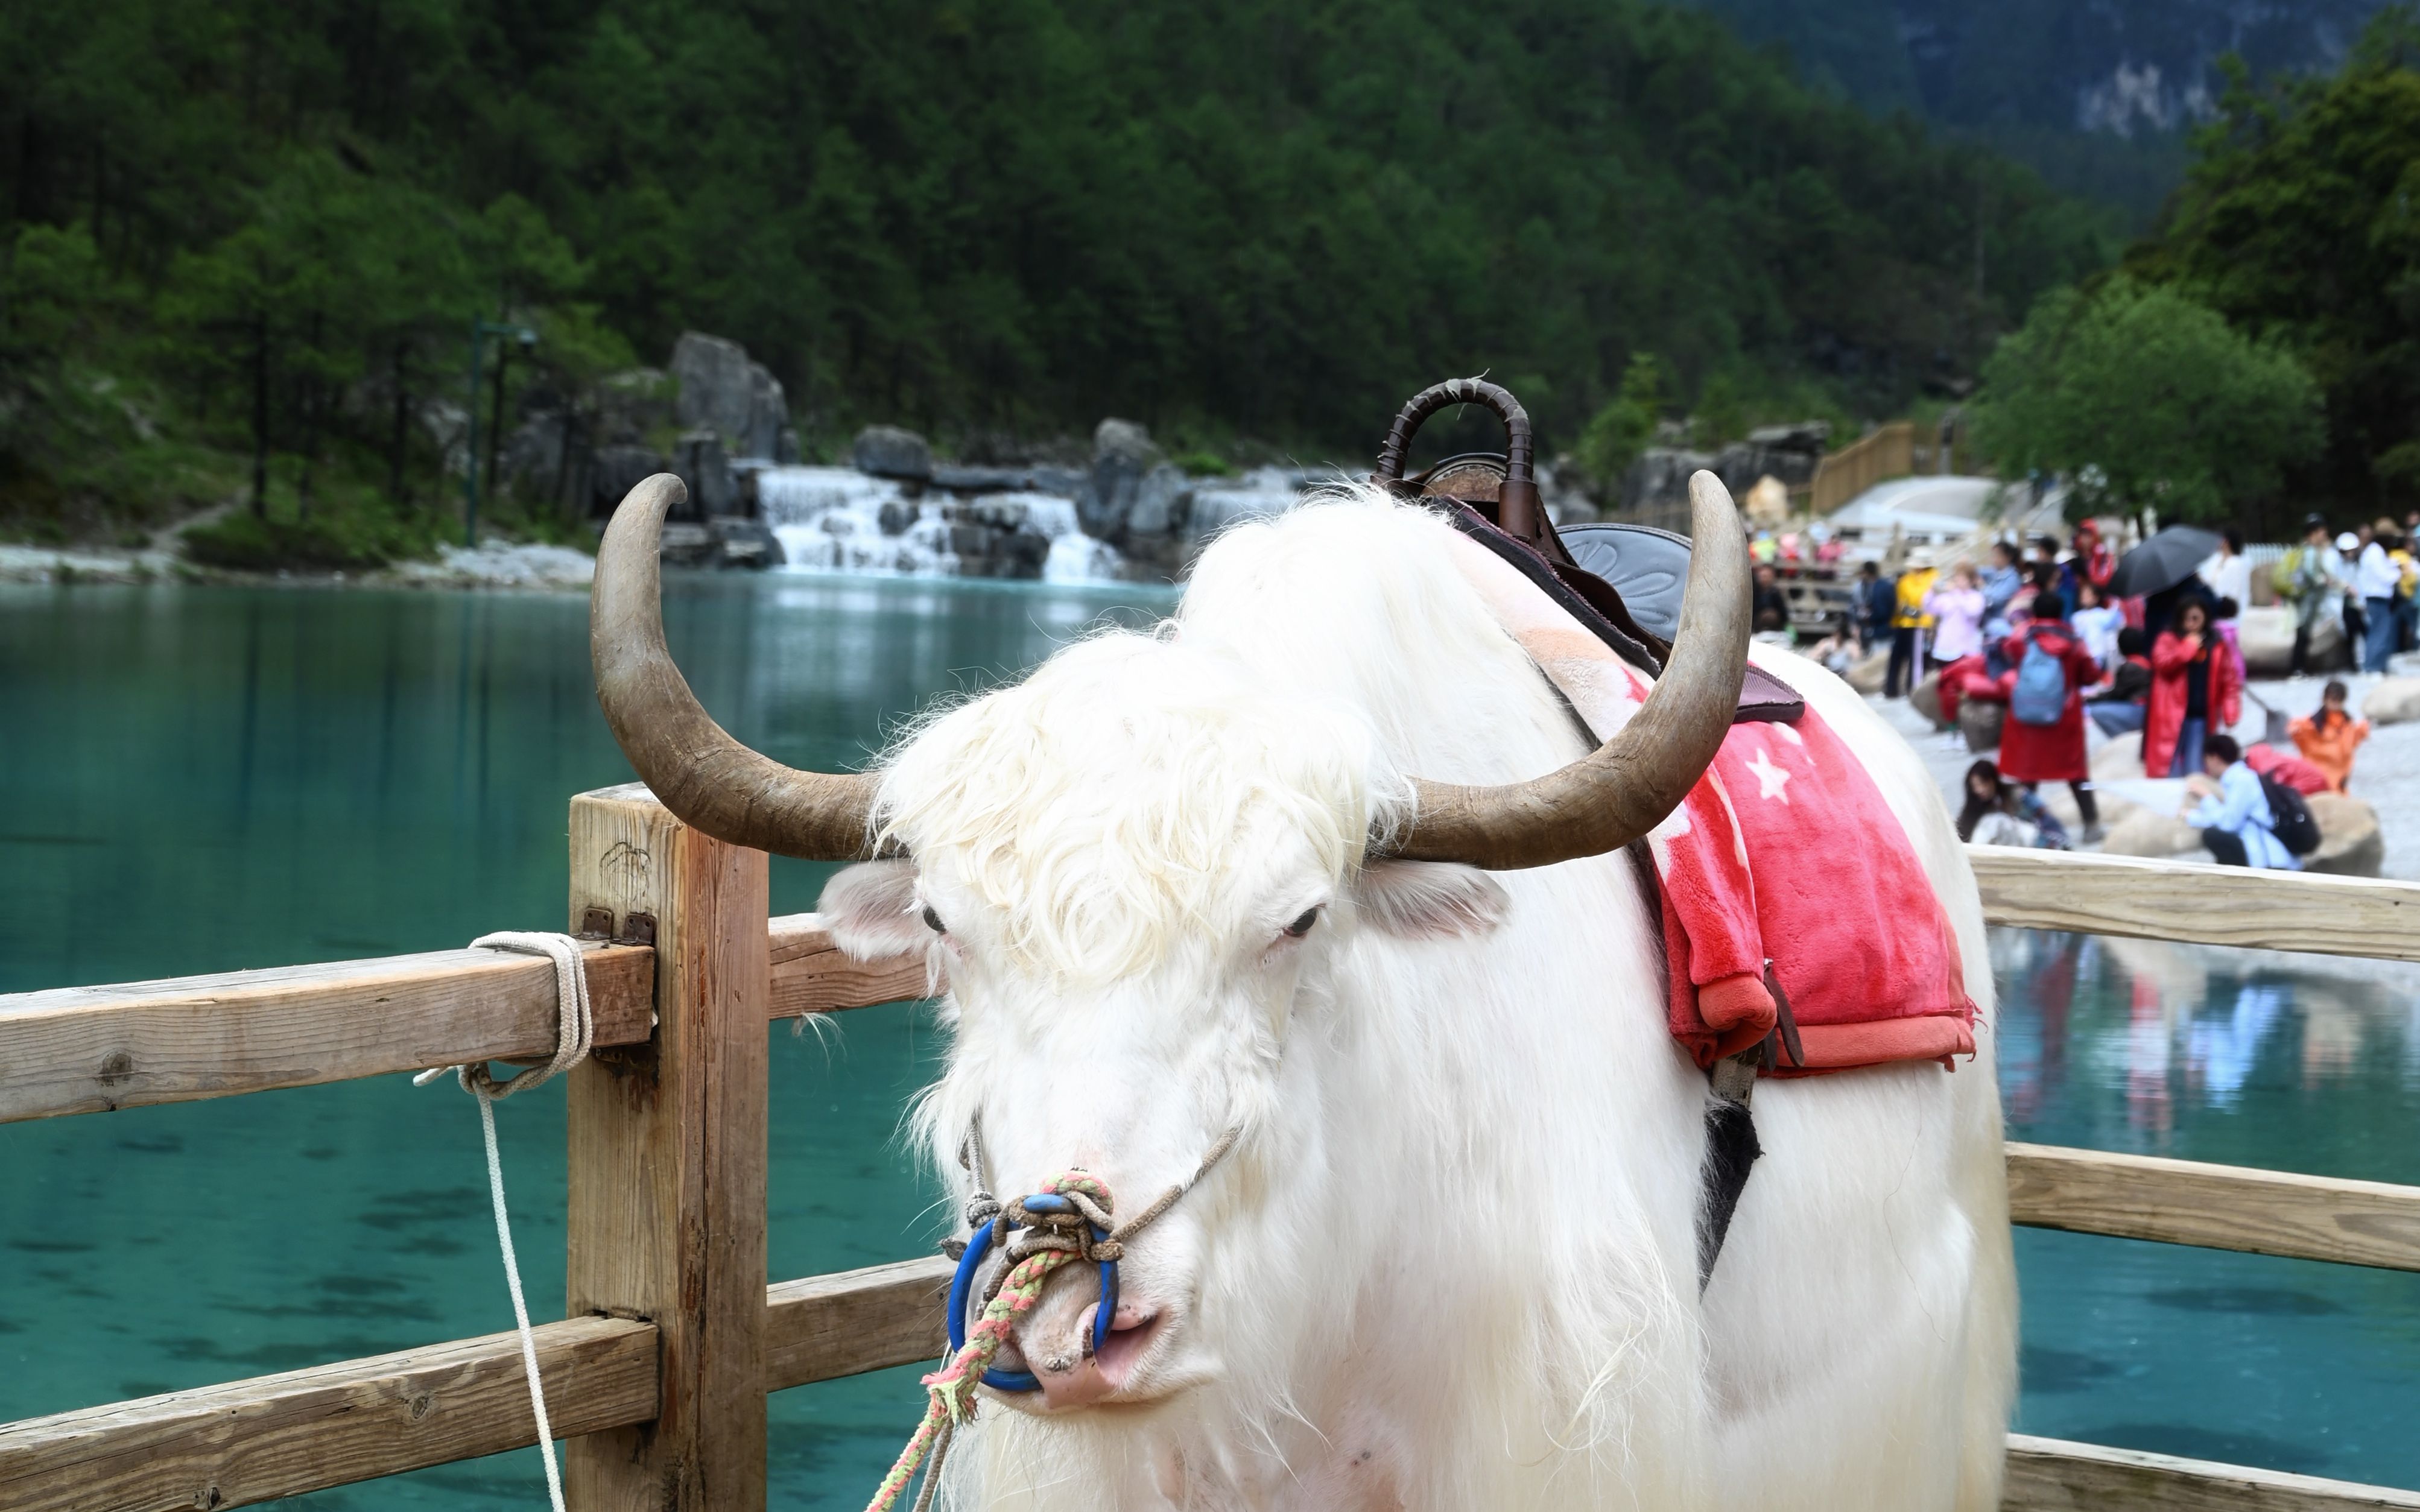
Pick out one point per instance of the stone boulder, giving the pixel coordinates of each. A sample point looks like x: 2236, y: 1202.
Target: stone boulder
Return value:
x: 2350, y: 843
x: 890, y: 451
x: 620, y: 469
x: 1136, y: 501
x: 742, y: 542
x: 703, y: 464
x: 2266, y: 633
x: 995, y: 537
x: 633, y: 406
x: 2396, y: 701
x: 1869, y: 676
x: 1123, y: 453
x: 1925, y: 697
x: 2120, y: 759
x: 2141, y: 831
x: 1981, y: 723
x: 1658, y: 481
x: 722, y: 390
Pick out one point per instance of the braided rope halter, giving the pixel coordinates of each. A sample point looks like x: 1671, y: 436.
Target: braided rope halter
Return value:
x: 1070, y: 1220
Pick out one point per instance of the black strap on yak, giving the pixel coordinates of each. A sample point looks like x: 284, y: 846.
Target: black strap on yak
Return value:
x: 1732, y: 1145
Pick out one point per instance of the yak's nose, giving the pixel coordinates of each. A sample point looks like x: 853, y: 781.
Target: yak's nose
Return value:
x: 1057, y: 1342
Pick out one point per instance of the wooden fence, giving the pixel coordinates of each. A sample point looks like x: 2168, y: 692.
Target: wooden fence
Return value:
x: 657, y: 1375
x: 1841, y: 476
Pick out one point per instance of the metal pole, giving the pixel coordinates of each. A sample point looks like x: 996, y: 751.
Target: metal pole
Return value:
x: 470, y: 447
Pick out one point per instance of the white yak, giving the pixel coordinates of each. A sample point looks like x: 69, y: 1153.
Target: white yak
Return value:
x: 1450, y: 1260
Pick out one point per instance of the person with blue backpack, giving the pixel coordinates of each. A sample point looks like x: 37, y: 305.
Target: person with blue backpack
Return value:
x: 2050, y: 668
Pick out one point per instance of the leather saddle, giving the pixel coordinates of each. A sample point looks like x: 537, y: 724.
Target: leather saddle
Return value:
x: 1623, y: 582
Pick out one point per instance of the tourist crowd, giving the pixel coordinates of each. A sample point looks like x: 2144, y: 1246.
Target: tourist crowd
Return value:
x: 2038, y: 631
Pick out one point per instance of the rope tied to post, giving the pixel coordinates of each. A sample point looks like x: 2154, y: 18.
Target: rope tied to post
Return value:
x: 1070, y: 1220
x: 574, y: 1034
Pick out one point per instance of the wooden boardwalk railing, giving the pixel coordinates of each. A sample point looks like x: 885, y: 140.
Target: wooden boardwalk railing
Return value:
x: 1842, y: 475
x: 657, y: 1377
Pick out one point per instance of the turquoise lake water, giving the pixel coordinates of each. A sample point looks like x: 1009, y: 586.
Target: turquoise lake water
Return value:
x: 206, y: 779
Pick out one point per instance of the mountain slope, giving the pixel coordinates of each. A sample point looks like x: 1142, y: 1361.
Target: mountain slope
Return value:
x: 1263, y: 219
x: 2093, y: 92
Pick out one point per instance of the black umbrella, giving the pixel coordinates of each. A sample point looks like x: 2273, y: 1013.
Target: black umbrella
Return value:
x: 2163, y: 562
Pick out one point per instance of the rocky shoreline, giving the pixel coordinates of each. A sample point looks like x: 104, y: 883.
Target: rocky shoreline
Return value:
x: 495, y: 565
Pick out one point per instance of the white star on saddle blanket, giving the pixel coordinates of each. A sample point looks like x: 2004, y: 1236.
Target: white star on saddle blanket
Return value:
x: 1770, y: 779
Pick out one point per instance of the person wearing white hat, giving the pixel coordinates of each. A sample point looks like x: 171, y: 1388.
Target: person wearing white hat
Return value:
x: 2356, y: 623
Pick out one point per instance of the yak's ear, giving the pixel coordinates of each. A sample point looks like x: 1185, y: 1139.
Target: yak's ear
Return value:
x: 1430, y: 899
x: 871, y: 911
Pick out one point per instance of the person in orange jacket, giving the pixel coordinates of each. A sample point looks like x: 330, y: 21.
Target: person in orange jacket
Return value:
x: 2327, y: 738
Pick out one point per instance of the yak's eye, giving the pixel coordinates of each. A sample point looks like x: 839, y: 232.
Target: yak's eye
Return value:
x: 933, y: 920
x: 1301, y: 927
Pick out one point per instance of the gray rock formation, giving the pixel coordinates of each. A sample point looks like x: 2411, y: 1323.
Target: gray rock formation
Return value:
x: 995, y: 538
x: 1658, y: 482
x: 1121, y: 453
x: 1655, y: 489
x: 633, y: 405
x: 1136, y: 501
x: 890, y: 451
x: 703, y: 464
x: 722, y: 390
x: 618, y: 470
x: 742, y: 542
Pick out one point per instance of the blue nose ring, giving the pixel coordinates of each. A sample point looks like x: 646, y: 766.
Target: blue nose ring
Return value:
x: 962, y: 1289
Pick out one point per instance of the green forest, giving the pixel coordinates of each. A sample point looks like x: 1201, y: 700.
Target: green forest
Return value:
x: 241, y: 225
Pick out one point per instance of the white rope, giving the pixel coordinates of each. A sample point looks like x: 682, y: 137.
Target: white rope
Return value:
x: 573, y: 1032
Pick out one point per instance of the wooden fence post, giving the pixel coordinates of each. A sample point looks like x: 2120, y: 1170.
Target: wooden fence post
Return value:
x: 667, y: 1161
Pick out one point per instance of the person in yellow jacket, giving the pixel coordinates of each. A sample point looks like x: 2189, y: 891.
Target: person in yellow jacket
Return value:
x: 1908, y: 624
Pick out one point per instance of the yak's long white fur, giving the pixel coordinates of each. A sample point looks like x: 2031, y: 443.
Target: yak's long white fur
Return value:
x: 1450, y: 1265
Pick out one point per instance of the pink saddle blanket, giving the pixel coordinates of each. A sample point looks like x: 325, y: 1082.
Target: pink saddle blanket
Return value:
x: 1785, y: 854
x: 1783, y: 869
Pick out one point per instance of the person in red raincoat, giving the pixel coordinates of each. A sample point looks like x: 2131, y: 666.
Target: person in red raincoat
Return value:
x: 2037, y: 753
x: 2195, y: 693
x: 2093, y: 563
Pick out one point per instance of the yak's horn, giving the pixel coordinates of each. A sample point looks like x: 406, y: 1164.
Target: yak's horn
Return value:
x: 1624, y: 788
x: 712, y: 782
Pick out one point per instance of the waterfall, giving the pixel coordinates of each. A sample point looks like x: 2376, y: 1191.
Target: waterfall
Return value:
x: 838, y: 519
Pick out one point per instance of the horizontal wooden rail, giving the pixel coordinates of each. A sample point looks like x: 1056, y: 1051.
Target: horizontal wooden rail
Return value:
x: 98, y: 1049
x: 256, y: 1441
x: 305, y: 1430
x: 2215, y: 1207
x: 2054, y: 1476
x: 2199, y: 904
x: 811, y: 976
x: 847, y: 1323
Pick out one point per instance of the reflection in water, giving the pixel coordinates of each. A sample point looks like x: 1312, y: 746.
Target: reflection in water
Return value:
x: 207, y: 780
x: 2302, y: 1063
